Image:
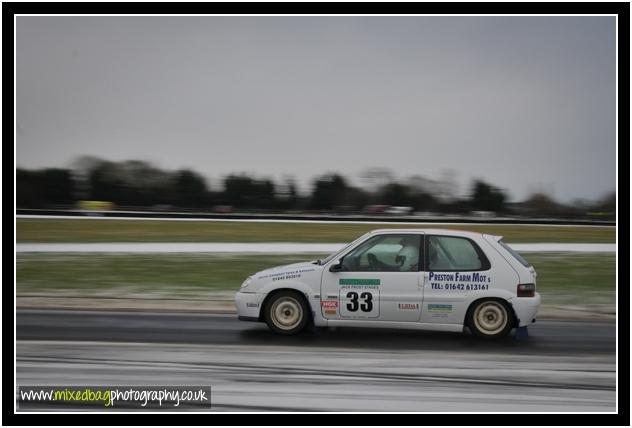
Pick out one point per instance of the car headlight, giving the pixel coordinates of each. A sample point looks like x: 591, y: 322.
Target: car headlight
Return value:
x: 246, y: 282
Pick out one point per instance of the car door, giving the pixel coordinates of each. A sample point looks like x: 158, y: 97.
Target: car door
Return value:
x: 457, y: 269
x: 380, y: 279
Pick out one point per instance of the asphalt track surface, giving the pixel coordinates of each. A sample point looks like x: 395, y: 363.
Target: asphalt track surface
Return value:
x: 563, y: 366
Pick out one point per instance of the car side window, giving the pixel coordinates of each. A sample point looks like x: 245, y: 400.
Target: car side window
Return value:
x: 385, y: 253
x: 452, y: 253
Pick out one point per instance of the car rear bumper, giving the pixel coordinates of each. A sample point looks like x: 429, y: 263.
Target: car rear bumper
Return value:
x: 526, y: 308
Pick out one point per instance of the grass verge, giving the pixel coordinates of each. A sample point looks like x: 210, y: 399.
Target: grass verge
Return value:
x: 564, y: 279
x: 95, y: 230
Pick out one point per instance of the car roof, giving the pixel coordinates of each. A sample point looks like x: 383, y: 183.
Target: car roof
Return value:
x: 430, y: 231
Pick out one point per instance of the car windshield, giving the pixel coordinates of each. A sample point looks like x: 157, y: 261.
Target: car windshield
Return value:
x: 342, y: 250
x: 516, y: 256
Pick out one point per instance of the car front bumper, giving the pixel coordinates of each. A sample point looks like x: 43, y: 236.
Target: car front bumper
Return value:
x: 248, y: 305
x: 526, y: 308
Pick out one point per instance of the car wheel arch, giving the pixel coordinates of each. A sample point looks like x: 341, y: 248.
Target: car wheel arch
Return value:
x: 473, y: 304
x: 276, y: 291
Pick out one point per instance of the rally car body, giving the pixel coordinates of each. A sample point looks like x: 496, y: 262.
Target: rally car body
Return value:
x: 428, y: 279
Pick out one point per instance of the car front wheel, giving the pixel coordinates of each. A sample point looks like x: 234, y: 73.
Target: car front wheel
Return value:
x: 490, y: 319
x: 286, y: 313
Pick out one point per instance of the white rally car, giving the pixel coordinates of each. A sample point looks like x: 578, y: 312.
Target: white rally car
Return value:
x: 426, y: 279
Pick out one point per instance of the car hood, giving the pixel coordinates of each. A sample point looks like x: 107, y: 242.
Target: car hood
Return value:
x: 291, y: 266
x: 285, y: 269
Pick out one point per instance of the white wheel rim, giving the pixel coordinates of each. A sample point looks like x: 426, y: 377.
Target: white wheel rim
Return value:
x: 490, y: 317
x: 286, y: 313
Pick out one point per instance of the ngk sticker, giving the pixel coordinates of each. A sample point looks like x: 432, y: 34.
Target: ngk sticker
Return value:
x: 329, y: 304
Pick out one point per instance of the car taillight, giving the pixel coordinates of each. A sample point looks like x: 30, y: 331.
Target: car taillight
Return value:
x: 526, y: 290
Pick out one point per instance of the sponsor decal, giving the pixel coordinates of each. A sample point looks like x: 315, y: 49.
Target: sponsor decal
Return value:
x: 435, y: 315
x: 459, y: 277
x: 286, y: 275
x: 439, y: 308
x: 407, y: 306
x: 359, y: 281
x: 330, y: 311
x: 458, y: 281
x: 329, y: 304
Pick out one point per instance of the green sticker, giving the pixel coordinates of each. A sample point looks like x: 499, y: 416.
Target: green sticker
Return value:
x: 358, y: 281
x: 439, y: 308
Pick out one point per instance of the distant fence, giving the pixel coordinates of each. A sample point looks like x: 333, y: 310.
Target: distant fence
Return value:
x: 312, y: 217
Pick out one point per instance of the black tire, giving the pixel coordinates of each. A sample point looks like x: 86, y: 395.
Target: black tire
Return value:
x: 286, y: 313
x: 490, y: 319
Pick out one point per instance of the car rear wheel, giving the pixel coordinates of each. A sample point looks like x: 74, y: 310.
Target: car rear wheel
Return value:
x: 490, y: 319
x: 286, y: 313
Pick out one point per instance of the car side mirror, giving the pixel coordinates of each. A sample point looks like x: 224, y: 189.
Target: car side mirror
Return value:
x: 336, y: 266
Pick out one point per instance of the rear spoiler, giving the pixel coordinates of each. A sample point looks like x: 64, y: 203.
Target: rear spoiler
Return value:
x: 494, y: 238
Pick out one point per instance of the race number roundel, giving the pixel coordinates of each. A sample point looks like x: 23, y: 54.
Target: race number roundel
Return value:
x: 359, y: 298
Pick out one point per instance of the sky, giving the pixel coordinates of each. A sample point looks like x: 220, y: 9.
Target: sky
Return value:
x: 525, y: 103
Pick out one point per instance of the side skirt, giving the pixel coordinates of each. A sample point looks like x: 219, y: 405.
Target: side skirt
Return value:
x: 457, y: 328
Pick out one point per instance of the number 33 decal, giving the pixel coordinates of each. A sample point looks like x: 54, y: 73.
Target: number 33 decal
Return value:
x: 353, y: 305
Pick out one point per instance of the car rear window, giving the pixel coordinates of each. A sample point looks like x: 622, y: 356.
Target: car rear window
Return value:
x: 452, y: 253
x: 516, y: 256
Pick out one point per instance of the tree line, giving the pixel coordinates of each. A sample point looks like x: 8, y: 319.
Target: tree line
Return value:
x: 139, y: 185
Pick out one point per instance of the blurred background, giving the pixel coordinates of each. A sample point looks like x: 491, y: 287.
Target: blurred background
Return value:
x: 482, y: 120
x: 100, y: 185
x: 402, y: 115
x: 436, y: 121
